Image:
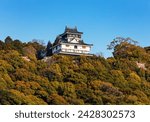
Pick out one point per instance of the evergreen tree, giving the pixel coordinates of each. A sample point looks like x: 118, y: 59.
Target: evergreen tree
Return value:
x: 48, y: 49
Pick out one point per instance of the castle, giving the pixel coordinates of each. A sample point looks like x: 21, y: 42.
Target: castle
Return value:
x: 70, y: 43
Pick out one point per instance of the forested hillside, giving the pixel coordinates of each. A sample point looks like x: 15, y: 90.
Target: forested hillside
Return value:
x: 122, y: 79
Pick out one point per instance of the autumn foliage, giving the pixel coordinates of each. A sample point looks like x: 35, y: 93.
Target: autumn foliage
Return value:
x: 75, y: 80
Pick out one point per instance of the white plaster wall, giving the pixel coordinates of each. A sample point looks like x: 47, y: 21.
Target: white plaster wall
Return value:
x: 78, y: 50
x: 74, y: 40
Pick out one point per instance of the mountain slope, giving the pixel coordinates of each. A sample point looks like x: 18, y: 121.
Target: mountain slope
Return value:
x: 59, y: 79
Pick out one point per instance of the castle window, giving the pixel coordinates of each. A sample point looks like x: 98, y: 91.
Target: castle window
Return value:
x: 84, y: 47
x: 67, y: 45
x: 75, y: 47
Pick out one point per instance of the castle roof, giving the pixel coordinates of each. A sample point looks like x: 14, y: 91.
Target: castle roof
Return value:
x: 72, y: 30
x: 80, y: 43
x: 61, y: 39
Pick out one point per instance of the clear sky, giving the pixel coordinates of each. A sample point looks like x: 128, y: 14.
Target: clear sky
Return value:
x: 100, y: 20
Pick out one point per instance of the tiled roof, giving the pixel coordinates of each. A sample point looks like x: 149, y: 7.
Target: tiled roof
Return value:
x: 60, y: 38
x: 72, y: 30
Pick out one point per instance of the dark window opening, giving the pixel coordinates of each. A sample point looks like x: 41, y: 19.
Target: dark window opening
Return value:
x: 75, y: 47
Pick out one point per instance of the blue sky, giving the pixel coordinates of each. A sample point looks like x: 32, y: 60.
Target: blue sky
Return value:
x: 100, y: 20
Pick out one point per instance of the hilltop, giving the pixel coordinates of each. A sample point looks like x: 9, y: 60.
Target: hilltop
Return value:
x: 60, y: 79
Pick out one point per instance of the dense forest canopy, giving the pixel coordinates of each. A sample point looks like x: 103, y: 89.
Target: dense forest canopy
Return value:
x: 59, y: 79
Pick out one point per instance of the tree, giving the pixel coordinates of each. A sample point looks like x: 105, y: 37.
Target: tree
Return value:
x: 30, y: 51
x: 54, y: 73
x: 147, y: 49
x: 18, y: 45
x: 8, y: 39
x: 41, y: 54
x: 119, y: 40
x: 56, y: 99
x: 126, y: 48
x: 48, y: 49
x: 39, y: 41
x: 1, y: 45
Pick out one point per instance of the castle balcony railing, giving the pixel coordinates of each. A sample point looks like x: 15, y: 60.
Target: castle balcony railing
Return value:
x: 74, y: 50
